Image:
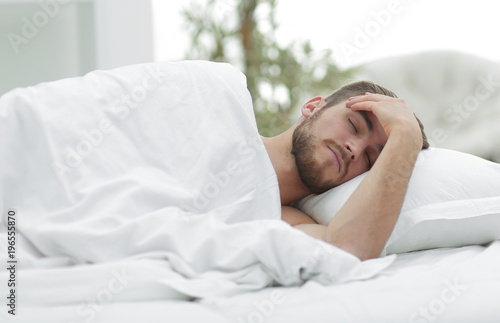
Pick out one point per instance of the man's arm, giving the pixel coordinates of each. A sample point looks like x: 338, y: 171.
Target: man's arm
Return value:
x: 365, y: 222
x: 303, y: 222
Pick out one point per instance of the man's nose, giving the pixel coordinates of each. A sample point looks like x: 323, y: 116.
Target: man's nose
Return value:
x: 353, y: 149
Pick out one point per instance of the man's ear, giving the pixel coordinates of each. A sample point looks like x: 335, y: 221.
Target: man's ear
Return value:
x: 312, y: 105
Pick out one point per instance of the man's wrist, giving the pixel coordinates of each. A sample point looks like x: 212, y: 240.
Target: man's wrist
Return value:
x: 408, y: 136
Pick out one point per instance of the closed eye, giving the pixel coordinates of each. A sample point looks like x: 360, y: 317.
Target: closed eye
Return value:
x: 352, y: 124
x: 367, y: 156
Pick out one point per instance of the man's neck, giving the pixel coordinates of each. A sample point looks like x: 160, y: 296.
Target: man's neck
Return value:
x: 279, y: 151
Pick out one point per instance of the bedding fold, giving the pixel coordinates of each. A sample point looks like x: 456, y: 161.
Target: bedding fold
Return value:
x: 158, y: 164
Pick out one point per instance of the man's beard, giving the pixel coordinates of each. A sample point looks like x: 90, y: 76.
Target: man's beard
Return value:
x: 303, y: 148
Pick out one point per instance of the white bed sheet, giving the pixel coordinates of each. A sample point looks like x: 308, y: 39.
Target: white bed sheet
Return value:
x: 440, y: 285
x: 121, y: 312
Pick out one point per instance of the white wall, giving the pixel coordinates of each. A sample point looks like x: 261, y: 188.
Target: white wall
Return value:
x: 124, y: 32
x: 54, y: 39
x: 38, y: 45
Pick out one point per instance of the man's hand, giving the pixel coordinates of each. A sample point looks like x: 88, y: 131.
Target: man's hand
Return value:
x: 392, y: 113
x: 365, y: 222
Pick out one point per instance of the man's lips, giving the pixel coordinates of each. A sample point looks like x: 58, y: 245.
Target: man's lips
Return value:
x: 338, y: 159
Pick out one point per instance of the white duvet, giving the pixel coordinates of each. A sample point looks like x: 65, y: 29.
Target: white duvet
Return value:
x: 148, y: 182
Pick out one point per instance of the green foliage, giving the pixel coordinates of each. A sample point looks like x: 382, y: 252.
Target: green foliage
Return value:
x: 279, y: 78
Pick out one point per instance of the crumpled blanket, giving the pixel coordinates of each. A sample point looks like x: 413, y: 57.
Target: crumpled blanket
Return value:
x: 151, y: 178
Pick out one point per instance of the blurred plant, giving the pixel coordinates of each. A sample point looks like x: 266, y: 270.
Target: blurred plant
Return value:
x: 279, y: 77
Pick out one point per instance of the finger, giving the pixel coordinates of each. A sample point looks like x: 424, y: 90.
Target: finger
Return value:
x: 358, y: 99
x: 368, y: 97
x: 364, y: 105
x: 374, y: 96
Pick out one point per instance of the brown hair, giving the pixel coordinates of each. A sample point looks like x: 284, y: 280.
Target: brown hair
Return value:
x: 360, y: 88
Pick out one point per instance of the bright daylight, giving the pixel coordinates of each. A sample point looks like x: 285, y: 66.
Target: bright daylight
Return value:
x: 249, y: 161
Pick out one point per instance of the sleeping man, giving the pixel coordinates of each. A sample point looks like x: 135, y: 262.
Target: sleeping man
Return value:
x: 360, y: 127
x: 167, y: 158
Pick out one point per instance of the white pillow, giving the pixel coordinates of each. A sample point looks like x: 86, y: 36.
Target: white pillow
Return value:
x: 453, y: 200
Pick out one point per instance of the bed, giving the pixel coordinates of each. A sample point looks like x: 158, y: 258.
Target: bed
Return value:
x: 118, y: 216
x: 440, y: 285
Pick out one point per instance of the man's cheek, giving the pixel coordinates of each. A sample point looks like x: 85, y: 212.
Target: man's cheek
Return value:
x: 356, y: 169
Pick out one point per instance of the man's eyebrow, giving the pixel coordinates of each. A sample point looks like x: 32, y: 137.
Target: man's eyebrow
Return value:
x: 368, y: 122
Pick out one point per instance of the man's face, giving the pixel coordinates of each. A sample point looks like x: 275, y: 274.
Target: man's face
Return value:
x: 336, y: 144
